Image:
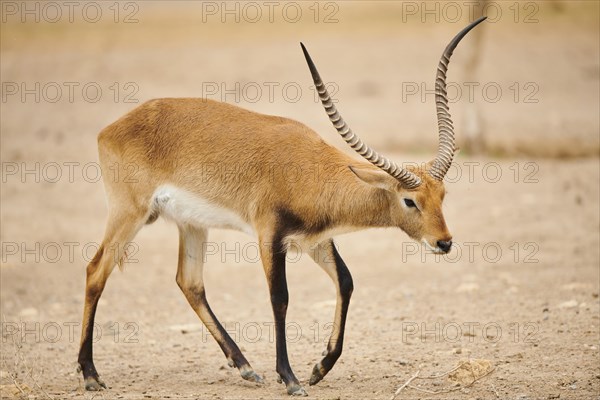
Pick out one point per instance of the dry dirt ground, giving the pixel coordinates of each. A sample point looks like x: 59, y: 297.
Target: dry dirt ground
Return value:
x: 519, y: 291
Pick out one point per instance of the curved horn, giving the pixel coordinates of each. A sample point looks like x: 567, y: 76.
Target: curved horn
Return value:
x: 446, y: 146
x: 407, y: 178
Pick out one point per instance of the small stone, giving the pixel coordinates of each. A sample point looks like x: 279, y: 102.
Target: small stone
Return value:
x: 467, y: 287
x: 186, y: 328
x: 28, y: 312
x: 568, y: 304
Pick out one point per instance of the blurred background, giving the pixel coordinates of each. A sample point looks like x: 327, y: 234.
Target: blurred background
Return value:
x: 524, y: 91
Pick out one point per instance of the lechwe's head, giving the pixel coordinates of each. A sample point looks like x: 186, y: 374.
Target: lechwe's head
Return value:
x: 417, y: 192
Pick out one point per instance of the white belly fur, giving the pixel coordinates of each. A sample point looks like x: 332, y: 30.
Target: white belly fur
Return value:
x: 184, y: 207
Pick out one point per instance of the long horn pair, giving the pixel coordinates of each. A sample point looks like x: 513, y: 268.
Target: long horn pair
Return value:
x: 407, y: 178
x: 446, y: 146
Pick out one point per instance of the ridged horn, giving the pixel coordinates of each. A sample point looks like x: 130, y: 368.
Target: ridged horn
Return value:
x: 406, y: 178
x: 446, y: 146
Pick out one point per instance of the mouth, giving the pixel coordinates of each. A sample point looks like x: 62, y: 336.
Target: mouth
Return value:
x: 431, y: 248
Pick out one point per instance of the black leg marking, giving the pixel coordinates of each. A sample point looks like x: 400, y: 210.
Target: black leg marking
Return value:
x: 274, y: 263
x: 86, y: 359
x: 337, y: 269
x: 94, y: 286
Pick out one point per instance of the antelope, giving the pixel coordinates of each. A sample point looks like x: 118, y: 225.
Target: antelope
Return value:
x: 171, y: 141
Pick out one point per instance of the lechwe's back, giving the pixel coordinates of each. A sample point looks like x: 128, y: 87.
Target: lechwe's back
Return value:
x: 221, y: 154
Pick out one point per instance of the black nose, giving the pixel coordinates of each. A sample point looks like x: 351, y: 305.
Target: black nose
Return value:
x: 445, y: 246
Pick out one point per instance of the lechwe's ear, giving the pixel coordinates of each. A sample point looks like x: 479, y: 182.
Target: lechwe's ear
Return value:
x: 375, y: 177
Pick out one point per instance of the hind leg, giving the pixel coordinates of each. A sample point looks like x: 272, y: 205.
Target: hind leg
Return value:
x: 121, y: 230
x: 190, y: 280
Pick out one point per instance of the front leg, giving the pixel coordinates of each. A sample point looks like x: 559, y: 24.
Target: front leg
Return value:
x: 326, y: 255
x: 273, y: 258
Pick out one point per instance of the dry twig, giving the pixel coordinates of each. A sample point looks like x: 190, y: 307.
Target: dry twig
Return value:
x: 407, y: 384
x: 412, y: 378
x: 20, y: 359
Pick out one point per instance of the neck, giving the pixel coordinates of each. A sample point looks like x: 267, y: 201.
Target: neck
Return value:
x: 362, y: 206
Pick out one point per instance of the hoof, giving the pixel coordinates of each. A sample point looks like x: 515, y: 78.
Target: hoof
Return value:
x: 317, y: 374
x: 252, y: 376
x: 94, y: 384
x: 296, y: 390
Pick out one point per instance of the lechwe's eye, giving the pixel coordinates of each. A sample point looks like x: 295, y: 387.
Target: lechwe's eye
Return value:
x: 410, y: 203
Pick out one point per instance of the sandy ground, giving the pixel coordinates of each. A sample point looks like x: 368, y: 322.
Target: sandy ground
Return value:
x: 520, y: 290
